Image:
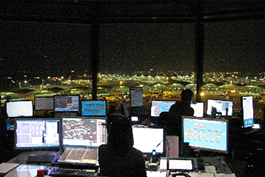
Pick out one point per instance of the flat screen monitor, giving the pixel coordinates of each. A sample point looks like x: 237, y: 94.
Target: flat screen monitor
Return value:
x: 247, y: 111
x: 19, y: 108
x: 222, y: 107
x: 43, y: 103
x: 93, y: 108
x: 198, y: 109
x: 158, y: 106
x: 66, y: 103
x: 83, y: 132
x: 205, y: 133
x: 37, y: 133
x: 148, y: 139
x: 136, y: 95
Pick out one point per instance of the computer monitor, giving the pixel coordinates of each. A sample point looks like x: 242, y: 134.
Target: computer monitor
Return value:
x: 158, y: 106
x: 43, y: 103
x: 66, y: 103
x: 136, y: 97
x: 205, y: 133
x: 247, y: 111
x: 198, y: 109
x: 37, y: 133
x: 149, y: 139
x: 93, y: 108
x: 225, y: 108
x: 22, y: 108
x: 83, y: 132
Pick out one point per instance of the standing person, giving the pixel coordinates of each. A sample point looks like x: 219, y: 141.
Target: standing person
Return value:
x: 118, y: 158
x: 183, y: 108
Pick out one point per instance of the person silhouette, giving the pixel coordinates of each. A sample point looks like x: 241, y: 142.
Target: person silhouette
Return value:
x: 118, y: 158
x: 183, y: 108
x: 173, y: 118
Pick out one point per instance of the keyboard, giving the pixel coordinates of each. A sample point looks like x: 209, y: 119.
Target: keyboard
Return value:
x: 67, y: 172
x: 40, y: 158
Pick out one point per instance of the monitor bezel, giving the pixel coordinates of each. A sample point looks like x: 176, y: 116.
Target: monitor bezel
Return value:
x: 64, y: 111
x: 151, y: 105
x: 40, y: 147
x: 226, y: 151
x: 207, y: 107
x: 28, y: 116
x: 81, y: 117
x: 81, y: 108
x: 150, y: 154
x: 49, y: 97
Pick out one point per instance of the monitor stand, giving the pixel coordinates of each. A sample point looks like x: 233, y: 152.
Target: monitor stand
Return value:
x: 136, y: 110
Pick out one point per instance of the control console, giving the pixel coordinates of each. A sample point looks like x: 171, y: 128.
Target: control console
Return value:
x: 201, y: 165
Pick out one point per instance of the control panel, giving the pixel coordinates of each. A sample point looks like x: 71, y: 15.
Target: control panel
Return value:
x: 194, y: 166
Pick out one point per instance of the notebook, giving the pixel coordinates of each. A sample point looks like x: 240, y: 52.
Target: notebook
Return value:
x: 81, y: 137
x: 6, y: 167
x: 80, y: 156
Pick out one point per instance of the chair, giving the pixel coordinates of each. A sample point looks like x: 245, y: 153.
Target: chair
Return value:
x: 172, y: 123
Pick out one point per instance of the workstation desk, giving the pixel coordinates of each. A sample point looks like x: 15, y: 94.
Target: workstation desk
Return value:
x: 202, y: 167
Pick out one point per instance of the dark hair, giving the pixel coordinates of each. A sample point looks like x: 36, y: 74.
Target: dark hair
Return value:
x: 186, y: 95
x: 120, y: 136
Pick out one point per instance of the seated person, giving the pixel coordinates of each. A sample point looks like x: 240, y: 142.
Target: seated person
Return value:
x: 172, y: 119
x: 183, y: 108
x: 118, y: 158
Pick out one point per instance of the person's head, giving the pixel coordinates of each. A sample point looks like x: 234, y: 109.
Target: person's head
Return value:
x: 120, y: 136
x: 186, y: 95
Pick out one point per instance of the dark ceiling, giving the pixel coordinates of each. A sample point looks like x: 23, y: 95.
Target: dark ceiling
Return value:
x: 130, y: 11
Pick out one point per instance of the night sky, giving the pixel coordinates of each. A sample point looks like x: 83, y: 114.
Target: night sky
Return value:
x: 124, y: 48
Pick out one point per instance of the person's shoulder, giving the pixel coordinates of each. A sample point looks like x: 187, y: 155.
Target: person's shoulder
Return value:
x: 136, y: 154
x: 102, y: 147
x: 191, y: 111
x: 177, y: 102
x: 174, y: 107
x: 137, y: 151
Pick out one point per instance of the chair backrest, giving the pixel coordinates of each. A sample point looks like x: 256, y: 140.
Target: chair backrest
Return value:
x: 172, y: 122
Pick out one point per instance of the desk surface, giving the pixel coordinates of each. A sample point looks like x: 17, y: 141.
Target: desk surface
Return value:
x: 31, y: 171
x: 25, y: 170
x: 23, y: 156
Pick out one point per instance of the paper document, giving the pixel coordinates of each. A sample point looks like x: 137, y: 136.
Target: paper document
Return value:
x: 6, y: 167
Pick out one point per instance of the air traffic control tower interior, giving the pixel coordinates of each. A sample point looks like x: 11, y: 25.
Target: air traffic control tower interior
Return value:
x: 222, y: 138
